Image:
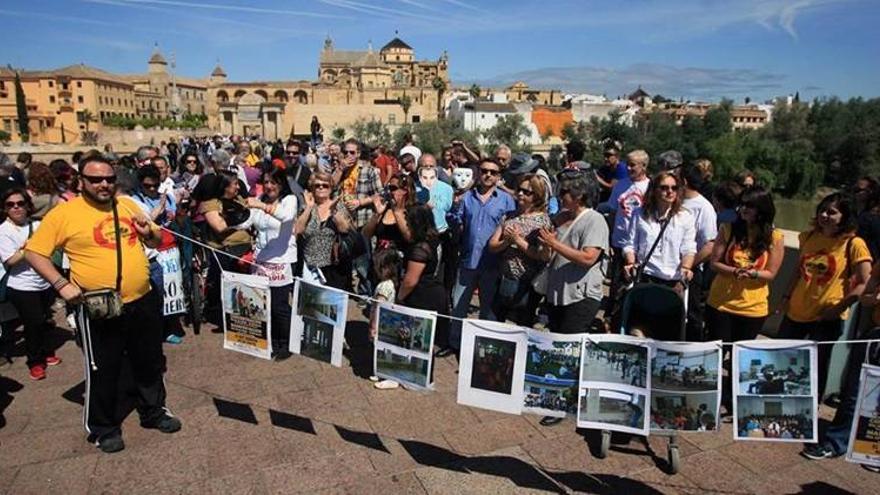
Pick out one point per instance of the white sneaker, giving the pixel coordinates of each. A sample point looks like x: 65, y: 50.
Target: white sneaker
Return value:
x: 386, y: 385
x: 71, y: 321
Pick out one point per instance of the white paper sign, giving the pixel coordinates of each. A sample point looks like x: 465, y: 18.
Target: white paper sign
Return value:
x: 246, y: 314
x: 493, y: 365
x: 403, y: 346
x: 864, y: 440
x: 686, y: 386
x: 317, y: 325
x: 172, y: 277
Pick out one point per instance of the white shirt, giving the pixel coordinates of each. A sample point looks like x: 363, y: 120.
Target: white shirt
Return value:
x: 275, y: 243
x: 631, y: 196
x: 678, y: 241
x: 21, y: 276
x: 705, y: 217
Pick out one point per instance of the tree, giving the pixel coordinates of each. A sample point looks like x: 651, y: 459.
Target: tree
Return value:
x: 434, y: 135
x: 87, y: 117
x: 510, y: 130
x: 371, y: 132
x: 21, y: 109
x: 440, y: 85
x: 405, y: 104
x: 475, y: 91
x: 547, y: 134
x: 5, y: 137
x: 338, y: 133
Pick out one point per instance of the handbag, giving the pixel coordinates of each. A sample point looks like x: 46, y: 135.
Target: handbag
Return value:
x: 103, y: 304
x: 539, y: 283
x: 233, y: 212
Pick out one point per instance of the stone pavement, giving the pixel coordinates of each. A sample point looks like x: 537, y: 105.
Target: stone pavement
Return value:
x: 254, y: 426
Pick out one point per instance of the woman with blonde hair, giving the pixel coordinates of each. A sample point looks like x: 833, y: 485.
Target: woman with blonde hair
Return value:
x: 319, y: 223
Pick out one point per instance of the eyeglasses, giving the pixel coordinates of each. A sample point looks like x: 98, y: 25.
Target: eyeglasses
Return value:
x: 665, y: 188
x: 15, y: 204
x: 351, y: 152
x: 292, y: 153
x: 97, y: 179
x: 527, y: 192
x: 149, y: 185
x: 320, y: 185
x: 192, y: 160
x: 392, y: 188
x: 489, y: 171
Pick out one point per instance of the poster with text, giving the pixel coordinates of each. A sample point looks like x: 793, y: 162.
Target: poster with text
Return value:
x: 775, y: 391
x: 615, y: 381
x: 553, y: 362
x: 317, y: 325
x: 403, y: 346
x: 686, y: 386
x: 864, y: 440
x: 493, y: 365
x: 246, y: 315
x: 172, y: 277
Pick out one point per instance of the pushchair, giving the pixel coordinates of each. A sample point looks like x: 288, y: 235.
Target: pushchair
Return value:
x: 658, y: 312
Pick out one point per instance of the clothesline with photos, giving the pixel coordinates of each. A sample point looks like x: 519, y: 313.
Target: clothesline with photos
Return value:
x: 372, y: 300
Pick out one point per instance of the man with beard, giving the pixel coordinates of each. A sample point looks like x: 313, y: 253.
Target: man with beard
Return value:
x: 98, y: 231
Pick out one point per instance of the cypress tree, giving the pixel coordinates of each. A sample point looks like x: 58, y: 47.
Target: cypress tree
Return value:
x: 21, y: 109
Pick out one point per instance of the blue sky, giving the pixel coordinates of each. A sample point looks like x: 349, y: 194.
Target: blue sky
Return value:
x: 697, y: 49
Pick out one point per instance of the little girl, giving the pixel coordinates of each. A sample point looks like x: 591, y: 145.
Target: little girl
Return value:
x: 386, y: 265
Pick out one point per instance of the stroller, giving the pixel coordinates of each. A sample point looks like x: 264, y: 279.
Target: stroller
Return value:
x: 658, y: 312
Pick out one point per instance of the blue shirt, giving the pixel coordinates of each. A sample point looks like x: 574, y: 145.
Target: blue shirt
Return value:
x: 441, y: 198
x: 479, y: 221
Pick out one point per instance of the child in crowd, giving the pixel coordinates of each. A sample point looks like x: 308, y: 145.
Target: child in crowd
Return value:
x: 386, y: 265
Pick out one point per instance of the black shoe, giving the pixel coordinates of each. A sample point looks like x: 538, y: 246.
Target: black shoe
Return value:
x: 550, y: 421
x: 165, y: 423
x: 444, y: 352
x: 817, y: 452
x: 110, y: 443
x: 281, y: 355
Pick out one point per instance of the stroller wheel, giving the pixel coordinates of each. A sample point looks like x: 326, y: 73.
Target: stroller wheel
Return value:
x: 674, y: 458
x: 605, y: 445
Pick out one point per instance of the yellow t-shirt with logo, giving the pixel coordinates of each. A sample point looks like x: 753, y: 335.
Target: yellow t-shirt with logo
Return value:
x: 823, y: 277
x: 88, y: 238
x: 743, y: 297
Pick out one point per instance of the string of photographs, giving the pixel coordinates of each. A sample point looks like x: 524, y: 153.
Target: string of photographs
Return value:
x: 864, y: 441
x: 317, y: 325
x: 246, y: 315
x: 685, y: 386
x: 403, y: 349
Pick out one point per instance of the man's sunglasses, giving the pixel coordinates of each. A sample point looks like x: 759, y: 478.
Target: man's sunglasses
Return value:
x: 149, y: 185
x: 351, y: 152
x: 489, y: 171
x: 97, y: 179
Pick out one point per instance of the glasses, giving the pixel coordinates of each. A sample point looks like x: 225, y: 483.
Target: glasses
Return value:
x: 292, y: 152
x: 489, y: 171
x: 149, y: 185
x: 15, y: 204
x: 320, y: 185
x: 351, y: 152
x: 392, y: 188
x: 192, y: 160
x: 527, y: 192
x: 97, y: 179
x: 665, y: 188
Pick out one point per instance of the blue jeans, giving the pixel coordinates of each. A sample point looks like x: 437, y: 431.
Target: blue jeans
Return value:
x: 468, y: 280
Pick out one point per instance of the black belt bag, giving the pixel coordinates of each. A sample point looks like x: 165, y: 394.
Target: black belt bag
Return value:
x: 103, y: 304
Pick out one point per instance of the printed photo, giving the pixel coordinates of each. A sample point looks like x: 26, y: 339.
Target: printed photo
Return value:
x: 317, y: 339
x: 245, y: 301
x: 612, y: 410
x: 685, y: 371
x: 320, y: 303
x: 615, y: 362
x: 493, y: 365
x: 680, y: 411
x: 406, y: 369
x: 774, y: 371
x: 551, y: 375
x: 405, y: 330
x: 775, y: 418
x: 864, y: 444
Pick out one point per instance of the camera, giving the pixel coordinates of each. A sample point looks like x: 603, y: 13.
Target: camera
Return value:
x: 387, y: 197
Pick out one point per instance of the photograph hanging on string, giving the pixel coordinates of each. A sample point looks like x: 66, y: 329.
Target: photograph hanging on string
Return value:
x: 864, y: 441
x: 553, y: 362
x: 246, y: 318
x: 317, y: 325
x: 491, y: 372
x: 695, y: 411
x: 774, y: 391
x: 685, y: 386
x: 403, y: 345
x: 613, y: 410
x: 615, y: 360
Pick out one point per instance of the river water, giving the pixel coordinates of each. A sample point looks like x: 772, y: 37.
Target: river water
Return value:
x: 794, y: 214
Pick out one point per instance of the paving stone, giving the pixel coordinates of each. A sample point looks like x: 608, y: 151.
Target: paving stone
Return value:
x: 715, y: 471
x: 70, y: 476
x: 503, y: 471
x: 763, y: 459
x: 805, y: 477
x: 7, y: 477
x: 711, y: 440
x: 249, y: 483
x: 405, y: 483
x: 663, y: 482
x: 485, y: 437
x: 862, y: 480
x: 317, y: 473
x: 42, y: 446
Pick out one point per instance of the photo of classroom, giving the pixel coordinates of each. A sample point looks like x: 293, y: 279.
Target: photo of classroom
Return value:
x: 774, y: 371
x: 784, y: 418
x: 685, y: 371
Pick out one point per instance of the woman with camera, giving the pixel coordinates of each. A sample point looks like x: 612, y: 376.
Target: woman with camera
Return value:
x: 388, y: 224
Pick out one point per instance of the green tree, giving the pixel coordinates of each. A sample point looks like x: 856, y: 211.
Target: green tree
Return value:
x: 5, y: 137
x: 86, y: 117
x: 338, y: 133
x: 475, y: 91
x: 371, y: 132
x: 405, y: 104
x: 21, y: 109
x: 510, y: 130
x: 433, y: 135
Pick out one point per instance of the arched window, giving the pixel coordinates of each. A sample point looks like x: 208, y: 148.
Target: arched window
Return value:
x: 281, y: 96
x: 301, y: 97
x: 263, y: 94
x: 239, y: 94
x: 222, y: 96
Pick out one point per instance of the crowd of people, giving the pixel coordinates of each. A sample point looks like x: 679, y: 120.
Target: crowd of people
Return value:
x: 792, y: 427
x: 536, y: 246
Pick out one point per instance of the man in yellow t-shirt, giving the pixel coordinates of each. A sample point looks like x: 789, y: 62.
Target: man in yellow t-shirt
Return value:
x: 85, y: 228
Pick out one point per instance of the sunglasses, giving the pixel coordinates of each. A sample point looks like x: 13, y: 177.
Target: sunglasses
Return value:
x: 97, y: 179
x: 527, y: 192
x: 292, y: 153
x: 320, y: 185
x: 15, y: 204
x: 489, y: 171
x: 192, y: 161
x: 665, y: 188
x: 351, y: 152
x: 149, y: 185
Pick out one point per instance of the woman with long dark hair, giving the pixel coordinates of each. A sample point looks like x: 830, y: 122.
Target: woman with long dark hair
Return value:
x: 389, y: 224
x: 745, y: 258
x: 833, y: 269
x: 44, y: 191
x: 31, y: 296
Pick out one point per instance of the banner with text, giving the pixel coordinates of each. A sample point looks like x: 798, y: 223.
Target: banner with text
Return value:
x: 246, y: 315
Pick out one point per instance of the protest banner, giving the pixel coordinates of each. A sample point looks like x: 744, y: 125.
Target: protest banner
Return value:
x: 775, y: 391
x: 403, y: 349
x: 492, y: 369
x: 864, y: 439
x: 317, y: 325
x: 553, y: 362
x: 686, y: 386
x: 246, y: 315
x: 614, y: 384
x: 172, y: 277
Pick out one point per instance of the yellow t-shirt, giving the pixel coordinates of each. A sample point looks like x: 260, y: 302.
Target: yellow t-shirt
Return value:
x: 743, y: 297
x: 88, y: 238
x: 823, y: 277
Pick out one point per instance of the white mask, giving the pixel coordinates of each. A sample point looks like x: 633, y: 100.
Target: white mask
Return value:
x: 428, y: 176
x: 463, y: 177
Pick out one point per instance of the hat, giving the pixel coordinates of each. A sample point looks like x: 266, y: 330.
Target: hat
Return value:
x: 669, y: 160
x: 521, y: 163
x: 279, y: 164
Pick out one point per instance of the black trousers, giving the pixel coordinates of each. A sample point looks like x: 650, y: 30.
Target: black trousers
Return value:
x: 573, y: 318
x: 729, y: 327
x: 694, y: 326
x: 136, y: 334
x: 815, y: 330
x: 449, y: 243
x: 35, y: 311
